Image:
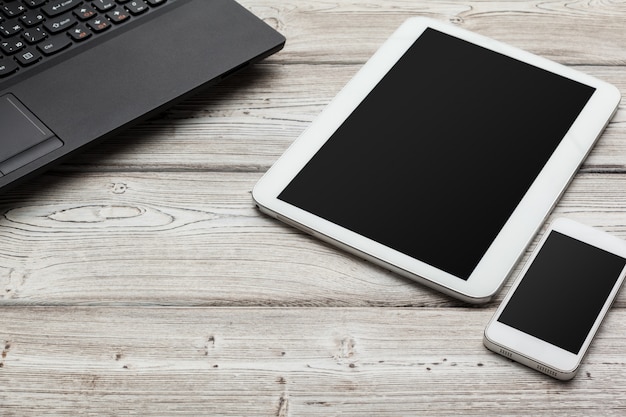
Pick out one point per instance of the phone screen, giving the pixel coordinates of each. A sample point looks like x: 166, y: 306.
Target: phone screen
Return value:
x: 563, y: 291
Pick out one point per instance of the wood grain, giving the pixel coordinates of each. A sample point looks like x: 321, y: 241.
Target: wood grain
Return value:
x: 576, y: 32
x: 196, y: 239
x: 139, y: 279
x: 273, y: 362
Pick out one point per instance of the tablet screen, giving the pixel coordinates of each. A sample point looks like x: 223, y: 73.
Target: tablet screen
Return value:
x: 435, y: 159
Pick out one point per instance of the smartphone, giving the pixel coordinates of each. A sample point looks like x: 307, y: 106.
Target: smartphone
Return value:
x: 549, y: 317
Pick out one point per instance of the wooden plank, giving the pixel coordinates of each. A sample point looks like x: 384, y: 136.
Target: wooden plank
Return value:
x: 285, y: 362
x: 196, y: 239
x: 340, y: 31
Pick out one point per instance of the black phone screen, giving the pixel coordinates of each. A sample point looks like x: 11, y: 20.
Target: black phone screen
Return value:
x: 434, y: 161
x: 563, y: 291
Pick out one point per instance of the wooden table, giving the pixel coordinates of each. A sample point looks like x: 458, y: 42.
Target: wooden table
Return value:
x: 139, y: 279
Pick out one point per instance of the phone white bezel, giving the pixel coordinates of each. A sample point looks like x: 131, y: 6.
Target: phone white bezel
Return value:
x: 535, y: 352
x: 511, y: 242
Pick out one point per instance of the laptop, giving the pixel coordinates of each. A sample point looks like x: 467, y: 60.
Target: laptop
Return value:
x: 73, y: 72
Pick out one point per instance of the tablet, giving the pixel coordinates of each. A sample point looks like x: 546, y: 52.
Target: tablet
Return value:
x: 441, y: 158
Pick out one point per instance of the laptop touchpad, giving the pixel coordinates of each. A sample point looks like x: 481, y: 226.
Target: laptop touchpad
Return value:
x: 25, y: 137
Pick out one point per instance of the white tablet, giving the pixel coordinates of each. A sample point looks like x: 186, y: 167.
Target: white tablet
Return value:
x: 442, y: 157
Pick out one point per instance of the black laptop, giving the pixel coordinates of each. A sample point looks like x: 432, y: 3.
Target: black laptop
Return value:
x: 75, y: 72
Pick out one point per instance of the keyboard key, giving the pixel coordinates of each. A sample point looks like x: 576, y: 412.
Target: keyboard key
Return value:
x: 118, y: 15
x: 34, y: 35
x: 137, y: 7
x: 60, y: 24
x: 79, y: 33
x: 156, y: 2
x: 85, y: 12
x: 99, y: 24
x: 10, y: 28
x: 32, y: 18
x: 104, y: 5
x: 56, y: 8
x: 35, y: 3
x: 12, y: 46
x: 7, y: 67
x: 28, y: 57
x: 52, y: 46
x: 13, y: 9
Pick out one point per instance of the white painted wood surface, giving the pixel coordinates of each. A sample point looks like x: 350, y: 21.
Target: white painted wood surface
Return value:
x: 138, y: 279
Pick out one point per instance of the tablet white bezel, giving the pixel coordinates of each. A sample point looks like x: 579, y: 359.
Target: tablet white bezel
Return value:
x: 523, y: 224
x: 533, y: 351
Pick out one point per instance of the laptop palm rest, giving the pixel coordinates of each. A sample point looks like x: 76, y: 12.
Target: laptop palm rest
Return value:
x: 25, y: 137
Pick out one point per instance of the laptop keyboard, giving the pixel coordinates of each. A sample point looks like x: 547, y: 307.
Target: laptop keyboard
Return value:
x: 33, y: 31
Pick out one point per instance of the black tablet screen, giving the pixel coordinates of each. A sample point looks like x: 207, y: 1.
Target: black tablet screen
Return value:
x: 436, y: 158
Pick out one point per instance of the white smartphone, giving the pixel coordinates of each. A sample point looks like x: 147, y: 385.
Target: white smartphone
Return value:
x: 550, y: 315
